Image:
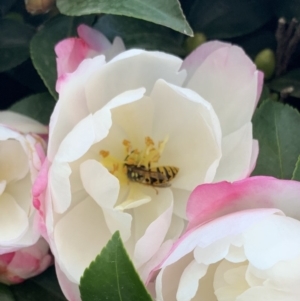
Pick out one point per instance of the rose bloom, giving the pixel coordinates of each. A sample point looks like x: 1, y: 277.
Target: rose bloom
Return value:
x: 72, y: 51
x: 23, y: 253
x: 131, y: 138
x: 242, y: 244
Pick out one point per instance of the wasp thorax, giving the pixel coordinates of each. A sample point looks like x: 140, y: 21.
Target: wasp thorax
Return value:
x: 141, y: 166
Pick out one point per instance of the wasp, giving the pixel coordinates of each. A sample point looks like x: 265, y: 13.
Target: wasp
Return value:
x: 152, y: 176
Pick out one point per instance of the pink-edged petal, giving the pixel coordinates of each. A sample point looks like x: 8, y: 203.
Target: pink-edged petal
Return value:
x: 235, y: 163
x: 12, y: 218
x: 228, y: 80
x: 71, y: 95
x: 22, y: 123
x: 209, y: 201
x: 93, y: 38
x: 69, y: 288
x: 155, y: 233
x: 220, y: 228
x: 260, y: 84
x: 40, y: 184
x: 199, y: 55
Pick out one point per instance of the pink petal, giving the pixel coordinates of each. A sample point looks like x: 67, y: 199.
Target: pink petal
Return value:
x: 70, y: 53
x: 210, y: 201
x: 93, y: 38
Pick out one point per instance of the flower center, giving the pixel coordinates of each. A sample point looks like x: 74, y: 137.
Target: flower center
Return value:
x: 140, y: 166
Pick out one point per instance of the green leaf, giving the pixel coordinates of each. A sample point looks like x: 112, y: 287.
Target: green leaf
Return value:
x: 276, y: 126
x: 141, y: 34
x: 167, y: 12
x: 42, y: 46
x: 296, y: 173
x: 112, y: 277
x: 290, y: 79
x: 5, y: 293
x: 39, y: 107
x: 220, y: 19
x: 14, y: 43
x: 43, y: 287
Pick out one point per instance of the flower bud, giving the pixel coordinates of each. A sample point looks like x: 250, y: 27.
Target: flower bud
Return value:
x: 265, y: 61
x: 192, y: 43
x: 37, y: 7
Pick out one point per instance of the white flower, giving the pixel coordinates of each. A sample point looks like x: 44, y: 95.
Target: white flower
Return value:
x: 135, y: 118
x: 21, y: 155
x: 242, y: 244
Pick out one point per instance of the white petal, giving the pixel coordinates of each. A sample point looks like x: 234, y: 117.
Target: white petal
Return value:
x: 236, y: 162
x: 168, y: 279
x: 128, y: 71
x: 118, y: 221
x: 21, y: 192
x: 189, y: 281
x: 271, y: 240
x: 2, y: 186
x: 228, y: 80
x: 59, y: 184
x: 77, y: 141
x: 153, y: 221
x: 236, y: 254
x: 78, y: 238
x: 189, y: 122
x: 99, y: 183
x: 229, y: 281
x: 181, y: 197
x: 212, y: 253
x: 265, y: 294
x: 13, y: 161
x: 13, y: 220
x: 22, y: 123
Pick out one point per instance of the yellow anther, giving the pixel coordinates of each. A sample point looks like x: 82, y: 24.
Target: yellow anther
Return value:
x: 149, y: 141
x: 104, y: 153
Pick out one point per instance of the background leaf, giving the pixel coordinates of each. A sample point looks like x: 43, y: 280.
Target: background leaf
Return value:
x: 275, y: 126
x: 14, y: 43
x: 220, y: 19
x: 5, y: 293
x: 167, y: 13
x: 39, y: 107
x: 42, y: 46
x: 112, y: 277
x: 296, y: 173
x: 43, y: 287
x: 141, y: 34
x: 290, y: 79
x: 287, y: 8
